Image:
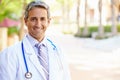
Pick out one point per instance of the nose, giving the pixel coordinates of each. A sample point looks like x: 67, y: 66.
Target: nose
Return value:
x: 38, y: 23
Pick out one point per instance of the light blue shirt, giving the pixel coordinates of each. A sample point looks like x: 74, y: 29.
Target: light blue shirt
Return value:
x: 12, y: 66
x: 33, y: 42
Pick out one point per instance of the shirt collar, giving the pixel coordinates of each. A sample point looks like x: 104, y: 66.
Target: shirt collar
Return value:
x: 33, y: 41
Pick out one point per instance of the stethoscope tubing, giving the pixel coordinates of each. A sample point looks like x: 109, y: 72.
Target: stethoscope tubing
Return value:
x: 24, y: 58
x: 26, y: 66
x: 28, y: 74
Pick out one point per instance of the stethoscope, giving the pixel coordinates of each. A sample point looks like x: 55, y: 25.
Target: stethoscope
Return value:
x: 28, y: 74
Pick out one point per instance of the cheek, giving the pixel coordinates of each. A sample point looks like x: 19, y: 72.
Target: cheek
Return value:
x: 47, y: 23
x: 29, y: 26
x: 43, y: 23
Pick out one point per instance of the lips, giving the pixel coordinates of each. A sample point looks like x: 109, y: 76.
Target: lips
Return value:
x: 36, y: 27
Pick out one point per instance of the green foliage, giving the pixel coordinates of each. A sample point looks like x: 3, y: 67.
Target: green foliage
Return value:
x: 12, y: 9
x: 13, y: 30
x: 101, y: 37
x: 92, y: 29
x: 118, y: 28
x: 9, y: 8
x: 61, y: 1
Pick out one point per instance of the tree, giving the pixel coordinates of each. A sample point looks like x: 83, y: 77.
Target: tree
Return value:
x: 100, y: 28
x: 66, y: 6
x: 13, y: 9
x: 85, y: 31
x: 114, y: 27
x: 21, y: 33
x: 78, y: 18
x: 10, y: 9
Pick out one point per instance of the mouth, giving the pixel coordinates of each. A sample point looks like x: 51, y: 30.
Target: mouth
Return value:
x: 39, y: 28
x: 36, y: 27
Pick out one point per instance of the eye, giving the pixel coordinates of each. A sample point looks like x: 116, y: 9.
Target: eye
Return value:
x: 33, y: 19
x: 42, y: 18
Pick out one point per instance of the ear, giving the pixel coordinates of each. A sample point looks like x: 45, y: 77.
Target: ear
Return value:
x: 49, y: 20
x: 25, y: 20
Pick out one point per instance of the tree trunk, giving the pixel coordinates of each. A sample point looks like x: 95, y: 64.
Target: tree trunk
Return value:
x: 78, y: 18
x: 114, y: 27
x: 85, y: 31
x: 100, y: 28
x: 22, y: 31
x: 3, y: 37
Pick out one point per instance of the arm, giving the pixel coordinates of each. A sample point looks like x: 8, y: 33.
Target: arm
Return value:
x: 65, y: 65
x: 66, y: 68
x: 7, y: 65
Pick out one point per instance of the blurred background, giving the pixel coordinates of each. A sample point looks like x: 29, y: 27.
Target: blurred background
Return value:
x: 87, y: 30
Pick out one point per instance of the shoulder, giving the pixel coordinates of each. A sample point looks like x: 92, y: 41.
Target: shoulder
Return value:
x: 9, y: 59
x: 52, y: 42
x: 12, y: 47
x: 10, y: 52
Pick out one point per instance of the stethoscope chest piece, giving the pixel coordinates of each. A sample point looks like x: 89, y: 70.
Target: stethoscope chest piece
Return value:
x: 28, y: 75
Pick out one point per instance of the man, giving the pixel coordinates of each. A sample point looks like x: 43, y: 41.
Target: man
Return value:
x: 36, y: 57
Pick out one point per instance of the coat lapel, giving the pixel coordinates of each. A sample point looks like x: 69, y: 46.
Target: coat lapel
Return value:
x: 36, y: 63
x: 54, y: 65
x: 52, y: 68
x: 32, y: 56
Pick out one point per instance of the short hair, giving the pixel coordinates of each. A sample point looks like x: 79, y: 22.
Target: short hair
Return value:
x: 36, y: 4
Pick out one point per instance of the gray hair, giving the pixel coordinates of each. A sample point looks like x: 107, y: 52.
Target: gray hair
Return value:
x: 36, y: 4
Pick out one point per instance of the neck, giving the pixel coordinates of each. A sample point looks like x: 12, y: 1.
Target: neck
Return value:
x: 39, y: 39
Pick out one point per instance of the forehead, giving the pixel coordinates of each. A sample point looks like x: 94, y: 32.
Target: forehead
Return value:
x: 37, y: 12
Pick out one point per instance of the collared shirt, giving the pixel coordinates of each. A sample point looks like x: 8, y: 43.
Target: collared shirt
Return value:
x: 33, y: 42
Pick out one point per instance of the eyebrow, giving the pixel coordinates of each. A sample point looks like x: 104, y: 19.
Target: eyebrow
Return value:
x: 36, y: 17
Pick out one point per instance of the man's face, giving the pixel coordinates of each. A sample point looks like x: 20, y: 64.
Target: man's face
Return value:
x: 37, y: 22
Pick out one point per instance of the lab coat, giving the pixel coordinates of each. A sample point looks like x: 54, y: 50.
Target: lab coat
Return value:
x: 12, y: 66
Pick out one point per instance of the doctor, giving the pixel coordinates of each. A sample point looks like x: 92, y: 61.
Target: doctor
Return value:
x: 23, y: 61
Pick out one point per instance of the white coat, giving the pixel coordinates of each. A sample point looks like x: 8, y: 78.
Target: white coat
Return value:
x: 12, y: 66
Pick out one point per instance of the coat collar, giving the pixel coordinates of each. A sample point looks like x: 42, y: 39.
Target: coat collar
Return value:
x: 32, y: 56
x: 54, y: 59
x: 27, y: 46
x: 33, y: 41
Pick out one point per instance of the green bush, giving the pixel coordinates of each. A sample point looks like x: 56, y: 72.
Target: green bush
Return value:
x: 92, y: 29
x: 12, y: 30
